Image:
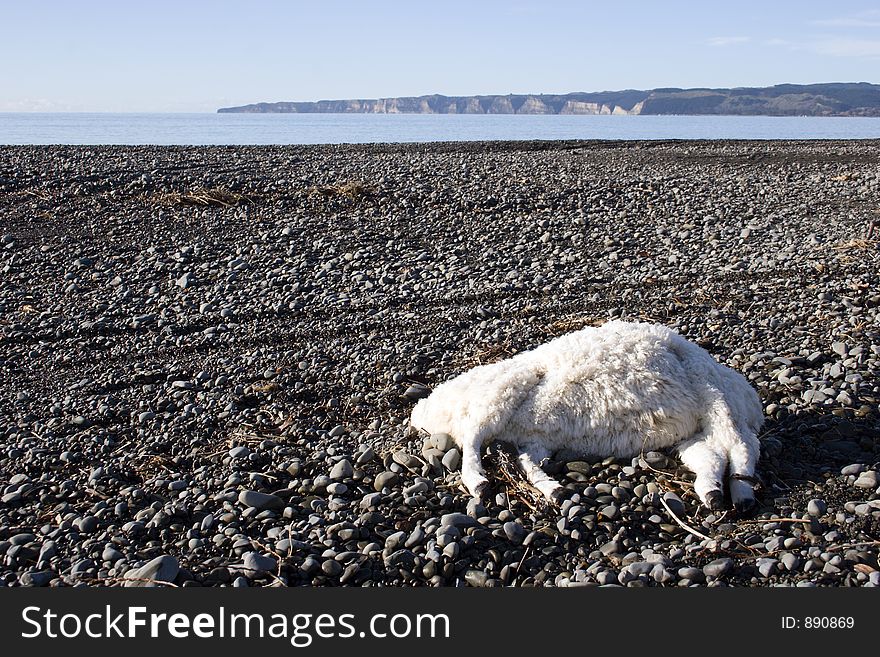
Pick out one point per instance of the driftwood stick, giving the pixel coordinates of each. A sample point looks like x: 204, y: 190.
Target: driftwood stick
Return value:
x: 683, y: 525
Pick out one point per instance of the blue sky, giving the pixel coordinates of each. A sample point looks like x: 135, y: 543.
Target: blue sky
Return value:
x: 192, y: 56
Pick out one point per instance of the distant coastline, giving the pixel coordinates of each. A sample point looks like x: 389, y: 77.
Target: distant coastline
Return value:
x: 826, y: 99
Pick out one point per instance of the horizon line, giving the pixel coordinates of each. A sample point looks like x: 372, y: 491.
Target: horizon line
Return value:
x: 447, y: 95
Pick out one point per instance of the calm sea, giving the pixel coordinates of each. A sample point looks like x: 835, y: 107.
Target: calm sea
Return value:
x: 199, y: 129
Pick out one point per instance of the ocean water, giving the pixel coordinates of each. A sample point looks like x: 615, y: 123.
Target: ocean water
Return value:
x: 207, y: 129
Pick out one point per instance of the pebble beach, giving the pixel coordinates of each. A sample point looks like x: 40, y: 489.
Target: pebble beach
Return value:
x: 208, y: 357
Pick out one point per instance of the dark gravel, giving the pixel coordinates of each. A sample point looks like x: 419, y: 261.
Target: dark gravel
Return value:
x: 208, y: 357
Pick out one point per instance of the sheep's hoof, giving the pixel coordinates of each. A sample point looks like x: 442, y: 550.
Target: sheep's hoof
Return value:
x: 715, y: 500
x: 745, y: 506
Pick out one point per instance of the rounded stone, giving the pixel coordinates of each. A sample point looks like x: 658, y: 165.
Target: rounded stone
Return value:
x: 816, y: 507
x: 260, y: 501
x: 153, y: 573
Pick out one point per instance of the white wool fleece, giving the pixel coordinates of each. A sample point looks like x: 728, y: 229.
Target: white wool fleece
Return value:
x: 615, y: 390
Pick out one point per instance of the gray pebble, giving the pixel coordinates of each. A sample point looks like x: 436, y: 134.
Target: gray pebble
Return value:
x: 111, y: 554
x: 610, y: 512
x: 458, y: 520
x: 24, y: 538
x: 476, y: 578
x: 160, y: 569
x: 384, y: 480
x: 816, y: 507
x: 416, y: 488
x: 638, y: 568
x: 257, y: 563
x: 337, y: 488
x: 417, y: 391
x: 606, y: 577
x: 342, y: 470
x: 656, y: 459
x: 82, y: 567
x: 443, y: 441
x: 515, y: 532
x: 718, y: 567
x: 767, y: 567
x: 402, y: 558
x: 366, y: 456
x: 371, y: 501
x: 675, y: 503
x: 259, y: 500
x: 690, y: 573
x: 451, y: 459
x: 791, y: 561
x: 331, y: 568
x: 36, y: 578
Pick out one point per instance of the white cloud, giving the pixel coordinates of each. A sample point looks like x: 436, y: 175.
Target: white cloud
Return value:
x: 870, y: 18
x: 721, y: 41
x: 36, y: 105
x: 832, y: 47
x: 847, y: 22
x: 780, y: 42
x: 848, y: 47
x: 523, y: 10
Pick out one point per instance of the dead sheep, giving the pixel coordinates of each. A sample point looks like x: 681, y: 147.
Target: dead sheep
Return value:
x: 617, y: 390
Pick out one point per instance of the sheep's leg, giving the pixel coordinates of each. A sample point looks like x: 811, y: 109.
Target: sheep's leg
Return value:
x: 708, y: 461
x: 530, y: 458
x: 472, y: 474
x: 743, y: 456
